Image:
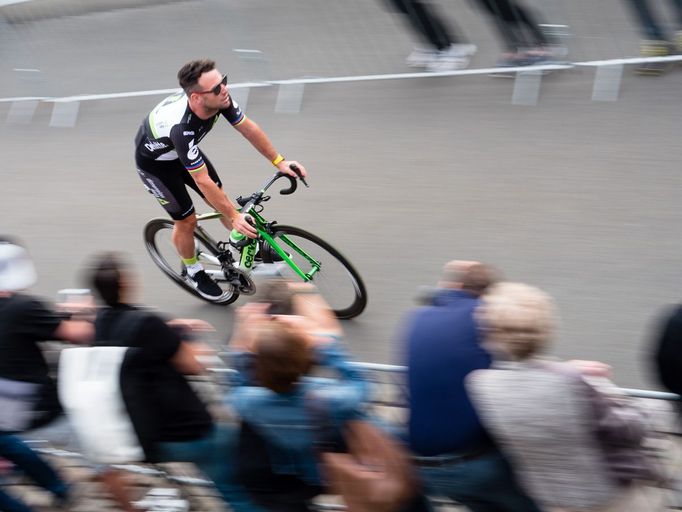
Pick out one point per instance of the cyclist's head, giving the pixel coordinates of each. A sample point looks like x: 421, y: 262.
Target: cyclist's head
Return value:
x: 283, y: 355
x: 189, y: 74
x: 16, y: 268
x: 109, y: 277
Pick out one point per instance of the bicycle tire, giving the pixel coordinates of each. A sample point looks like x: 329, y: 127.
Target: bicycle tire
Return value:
x: 347, y: 295
x: 173, y: 268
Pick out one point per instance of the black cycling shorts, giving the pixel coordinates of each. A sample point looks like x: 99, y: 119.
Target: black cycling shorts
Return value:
x: 167, y: 181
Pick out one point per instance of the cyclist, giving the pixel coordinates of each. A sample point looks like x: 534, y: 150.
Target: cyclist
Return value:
x: 169, y: 160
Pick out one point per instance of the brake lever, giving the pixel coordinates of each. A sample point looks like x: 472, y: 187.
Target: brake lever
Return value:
x: 298, y: 172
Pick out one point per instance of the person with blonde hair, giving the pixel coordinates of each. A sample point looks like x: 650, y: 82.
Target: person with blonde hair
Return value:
x: 519, y: 320
x: 573, y: 446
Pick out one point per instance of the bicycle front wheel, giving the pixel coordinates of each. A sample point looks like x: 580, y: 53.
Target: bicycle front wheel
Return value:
x: 158, y: 240
x: 332, y: 274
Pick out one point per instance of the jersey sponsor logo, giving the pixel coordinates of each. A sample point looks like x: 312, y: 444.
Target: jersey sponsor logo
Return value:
x: 153, y: 145
x: 188, y: 133
x: 193, y: 152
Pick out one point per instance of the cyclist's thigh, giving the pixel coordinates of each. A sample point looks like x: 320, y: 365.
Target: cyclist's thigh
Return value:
x: 189, y: 181
x: 163, y: 179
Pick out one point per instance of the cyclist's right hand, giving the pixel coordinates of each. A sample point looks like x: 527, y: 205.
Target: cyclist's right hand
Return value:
x: 241, y: 223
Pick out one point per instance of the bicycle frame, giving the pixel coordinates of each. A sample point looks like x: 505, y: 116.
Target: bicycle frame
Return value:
x: 284, y: 250
x: 263, y: 228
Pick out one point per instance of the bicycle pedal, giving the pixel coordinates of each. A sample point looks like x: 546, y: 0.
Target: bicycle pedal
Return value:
x: 247, y: 288
x: 241, y: 281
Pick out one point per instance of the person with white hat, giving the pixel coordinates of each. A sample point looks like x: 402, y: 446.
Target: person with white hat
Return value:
x: 28, y: 395
x: 26, y: 320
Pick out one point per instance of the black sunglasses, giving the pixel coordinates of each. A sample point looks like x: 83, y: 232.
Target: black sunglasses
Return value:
x: 215, y: 90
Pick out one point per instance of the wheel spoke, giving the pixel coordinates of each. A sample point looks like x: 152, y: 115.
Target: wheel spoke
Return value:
x: 158, y: 238
x: 333, y: 276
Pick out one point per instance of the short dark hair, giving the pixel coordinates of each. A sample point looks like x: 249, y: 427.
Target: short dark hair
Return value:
x: 106, y: 275
x: 478, y: 278
x: 282, y: 357
x: 473, y: 277
x: 189, y: 74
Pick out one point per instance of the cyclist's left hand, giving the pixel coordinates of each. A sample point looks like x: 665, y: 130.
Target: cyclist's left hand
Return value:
x: 283, y: 167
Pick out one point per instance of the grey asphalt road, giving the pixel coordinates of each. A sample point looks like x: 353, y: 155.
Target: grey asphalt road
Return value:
x: 578, y: 197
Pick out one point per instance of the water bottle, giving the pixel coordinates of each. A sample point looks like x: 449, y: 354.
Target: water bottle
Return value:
x: 244, y: 250
x: 236, y: 245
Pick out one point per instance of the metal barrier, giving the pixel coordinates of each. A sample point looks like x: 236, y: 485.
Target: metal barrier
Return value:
x: 387, y: 401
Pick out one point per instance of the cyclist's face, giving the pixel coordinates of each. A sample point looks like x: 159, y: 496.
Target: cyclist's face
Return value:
x: 208, y: 81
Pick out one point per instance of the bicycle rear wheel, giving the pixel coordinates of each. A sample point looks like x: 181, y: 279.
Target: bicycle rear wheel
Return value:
x: 157, y: 239
x: 336, y: 280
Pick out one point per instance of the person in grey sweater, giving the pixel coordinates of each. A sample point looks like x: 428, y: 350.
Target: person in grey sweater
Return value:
x: 574, y: 444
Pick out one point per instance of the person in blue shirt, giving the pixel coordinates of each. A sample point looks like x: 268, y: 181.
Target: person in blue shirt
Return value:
x: 455, y: 455
x: 287, y: 415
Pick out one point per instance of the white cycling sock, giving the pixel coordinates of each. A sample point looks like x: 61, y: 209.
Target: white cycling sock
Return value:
x: 194, y: 268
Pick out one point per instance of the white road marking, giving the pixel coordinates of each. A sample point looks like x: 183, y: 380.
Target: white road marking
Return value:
x: 3, y: 3
x: 361, y: 78
x: 342, y: 79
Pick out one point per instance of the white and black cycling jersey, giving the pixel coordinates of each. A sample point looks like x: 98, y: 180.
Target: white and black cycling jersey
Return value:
x: 172, y: 131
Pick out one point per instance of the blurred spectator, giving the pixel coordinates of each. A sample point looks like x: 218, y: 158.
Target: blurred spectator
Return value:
x: 445, y: 51
x: 523, y: 39
x: 656, y: 41
x: 171, y: 421
x: 456, y: 457
x: 25, y: 321
x: 287, y: 415
x: 28, y: 394
x: 668, y: 351
x: 572, y: 446
x: 23, y: 457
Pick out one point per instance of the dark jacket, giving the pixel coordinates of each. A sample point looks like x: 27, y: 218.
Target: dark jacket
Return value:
x: 443, y: 347
x: 162, y: 405
x: 668, y: 351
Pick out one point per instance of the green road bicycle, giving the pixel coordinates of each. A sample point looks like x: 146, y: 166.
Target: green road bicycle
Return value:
x: 283, y: 250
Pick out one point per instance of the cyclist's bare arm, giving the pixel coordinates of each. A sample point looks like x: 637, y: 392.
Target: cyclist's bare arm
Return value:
x: 259, y: 140
x: 218, y: 200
